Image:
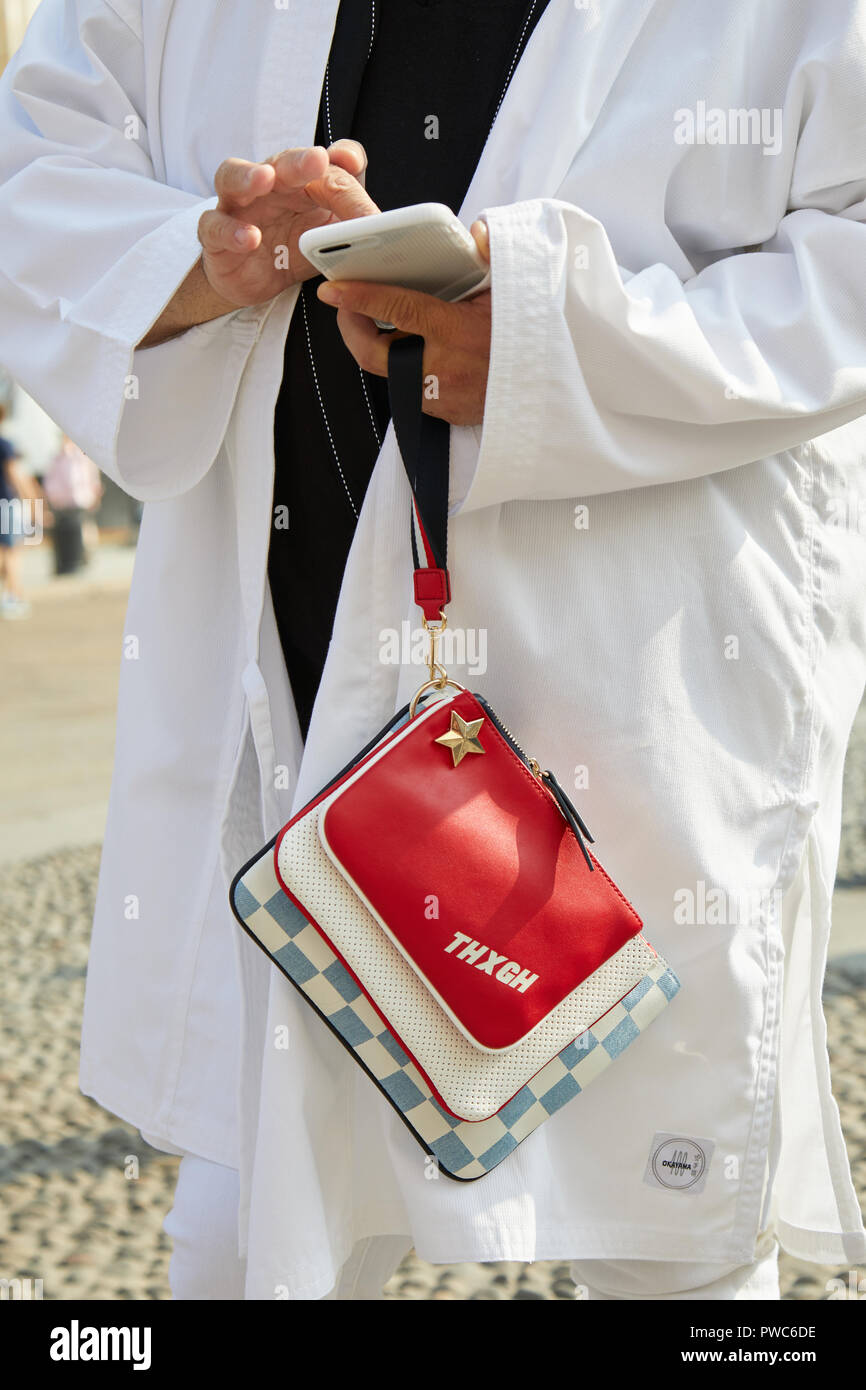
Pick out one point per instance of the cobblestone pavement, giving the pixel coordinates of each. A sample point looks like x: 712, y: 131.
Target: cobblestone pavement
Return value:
x: 82, y: 1198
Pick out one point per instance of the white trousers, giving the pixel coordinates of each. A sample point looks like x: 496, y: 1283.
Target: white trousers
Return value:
x: 203, y: 1225
x: 205, y: 1264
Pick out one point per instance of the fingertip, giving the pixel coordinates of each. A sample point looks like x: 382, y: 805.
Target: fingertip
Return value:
x: 351, y: 148
x: 248, y: 238
x: 321, y: 160
x: 258, y: 178
x: 331, y: 292
x: 481, y: 235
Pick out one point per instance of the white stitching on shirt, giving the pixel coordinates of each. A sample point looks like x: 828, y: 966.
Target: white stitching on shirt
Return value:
x: 322, y: 404
x: 514, y: 59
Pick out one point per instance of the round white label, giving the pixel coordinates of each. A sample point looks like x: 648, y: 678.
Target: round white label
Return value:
x: 678, y: 1163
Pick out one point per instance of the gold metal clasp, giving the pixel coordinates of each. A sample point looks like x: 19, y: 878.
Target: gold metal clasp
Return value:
x: 438, y: 684
x: 434, y: 633
x: 439, y: 677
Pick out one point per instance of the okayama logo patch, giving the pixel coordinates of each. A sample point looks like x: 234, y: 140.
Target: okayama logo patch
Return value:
x: 678, y: 1163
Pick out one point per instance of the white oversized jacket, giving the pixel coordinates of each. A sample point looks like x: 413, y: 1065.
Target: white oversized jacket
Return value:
x: 658, y: 529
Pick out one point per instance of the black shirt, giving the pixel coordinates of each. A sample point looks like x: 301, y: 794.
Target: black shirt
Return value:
x: 418, y: 82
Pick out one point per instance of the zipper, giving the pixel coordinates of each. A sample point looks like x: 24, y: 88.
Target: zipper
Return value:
x: 563, y: 803
x: 531, y: 763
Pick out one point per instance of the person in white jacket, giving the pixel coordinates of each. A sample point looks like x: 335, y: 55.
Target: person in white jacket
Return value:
x: 657, y: 477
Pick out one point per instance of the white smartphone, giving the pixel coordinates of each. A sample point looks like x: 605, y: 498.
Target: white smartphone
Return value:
x: 421, y: 247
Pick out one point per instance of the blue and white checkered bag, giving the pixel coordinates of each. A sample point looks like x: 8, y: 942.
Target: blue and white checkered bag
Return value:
x: 467, y: 1108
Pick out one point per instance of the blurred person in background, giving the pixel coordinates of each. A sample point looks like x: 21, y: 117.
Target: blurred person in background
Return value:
x: 73, y: 489
x: 16, y: 488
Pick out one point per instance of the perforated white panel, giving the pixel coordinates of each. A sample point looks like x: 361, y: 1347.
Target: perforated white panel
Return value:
x: 474, y: 1084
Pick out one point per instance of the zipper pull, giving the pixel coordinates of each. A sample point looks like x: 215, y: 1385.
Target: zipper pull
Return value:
x: 571, y: 814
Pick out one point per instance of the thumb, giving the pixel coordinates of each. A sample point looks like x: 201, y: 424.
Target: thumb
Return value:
x: 482, y: 238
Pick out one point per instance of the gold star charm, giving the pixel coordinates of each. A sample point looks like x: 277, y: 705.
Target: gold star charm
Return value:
x: 462, y: 738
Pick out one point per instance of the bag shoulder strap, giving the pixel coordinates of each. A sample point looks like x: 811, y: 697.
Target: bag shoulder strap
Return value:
x: 424, y: 442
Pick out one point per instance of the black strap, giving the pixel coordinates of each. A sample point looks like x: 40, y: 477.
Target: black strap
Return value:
x: 424, y: 443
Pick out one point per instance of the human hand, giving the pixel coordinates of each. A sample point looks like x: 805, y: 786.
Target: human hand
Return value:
x: 456, y: 337
x: 250, y: 240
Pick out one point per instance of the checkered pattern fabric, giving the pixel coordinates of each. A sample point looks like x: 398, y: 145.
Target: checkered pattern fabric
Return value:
x: 463, y: 1149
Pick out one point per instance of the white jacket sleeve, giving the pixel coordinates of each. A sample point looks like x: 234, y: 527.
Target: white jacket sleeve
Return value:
x: 602, y: 380
x: 92, y: 248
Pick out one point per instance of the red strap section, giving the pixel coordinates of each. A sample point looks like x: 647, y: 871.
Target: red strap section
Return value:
x: 432, y: 592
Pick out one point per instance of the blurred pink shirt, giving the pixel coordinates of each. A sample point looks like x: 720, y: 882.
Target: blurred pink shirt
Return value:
x: 72, y: 480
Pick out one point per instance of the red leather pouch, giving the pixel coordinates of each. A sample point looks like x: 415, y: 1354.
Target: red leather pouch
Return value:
x: 464, y: 856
